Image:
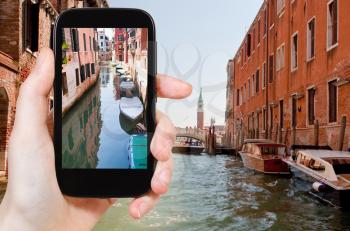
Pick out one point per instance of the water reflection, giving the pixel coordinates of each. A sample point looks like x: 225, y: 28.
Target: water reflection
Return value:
x: 94, y: 136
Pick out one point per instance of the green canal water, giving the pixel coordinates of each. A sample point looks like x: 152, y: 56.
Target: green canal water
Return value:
x: 218, y: 193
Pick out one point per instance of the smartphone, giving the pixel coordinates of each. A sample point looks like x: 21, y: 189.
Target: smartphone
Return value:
x: 104, y: 102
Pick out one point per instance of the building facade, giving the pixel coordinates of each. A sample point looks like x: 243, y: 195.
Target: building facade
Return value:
x: 292, y: 72
x: 80, y: 66
x: 131, y: 51
x: 26, y: 26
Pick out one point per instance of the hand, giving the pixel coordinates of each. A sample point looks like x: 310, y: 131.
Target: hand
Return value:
x: 33, y: 200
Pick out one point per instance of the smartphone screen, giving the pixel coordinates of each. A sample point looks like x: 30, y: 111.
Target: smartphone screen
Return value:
x: 104, y: 101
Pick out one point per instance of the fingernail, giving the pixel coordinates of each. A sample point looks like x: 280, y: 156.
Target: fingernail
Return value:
x: 39, y: 62
x: 142, y: 209
x: 40, y: 59
x: 165, y: 176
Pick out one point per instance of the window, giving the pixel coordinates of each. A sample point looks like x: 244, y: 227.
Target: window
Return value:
x: 93, y: 68
x: 84, y: 37
x: 245, y: 93
x: 280, y: 58
x: 263, y: 74
x: 253, y: 40
x: 311, y: 106
x: 332, y: 101
x: 272, y: 10
x: 258, y: 35
x: 281, y: 114
x: 237, y: 98
x: 82, y: 73
x: 77, y: 82
x: 257, y: 81
x: 64, y: 83
x: 271, y: 68
x: 265, y: 22
x: 101, y: 36
x: 31, y: 25
x: 280, y: 6
x: 332, y: 24
x: 75, y: 40
x: 90, y: 43
x: 271, y: 117
x: 249, y: 89
x: 294, y: 112
x: 311, y: 39
x: 294, y: 52
x: 264, y: 119
x: 249, y: 44
x: 254, y: 85
x: 87, y: 69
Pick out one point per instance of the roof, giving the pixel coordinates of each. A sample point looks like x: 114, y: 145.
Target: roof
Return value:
x: 326, y: 153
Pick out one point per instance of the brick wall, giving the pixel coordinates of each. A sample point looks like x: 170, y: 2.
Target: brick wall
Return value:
x: 8, y: 96
x: 314, y: 73
x: 9, y: 27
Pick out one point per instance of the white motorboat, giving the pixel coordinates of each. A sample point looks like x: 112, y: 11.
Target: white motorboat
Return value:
x: 328, y: 171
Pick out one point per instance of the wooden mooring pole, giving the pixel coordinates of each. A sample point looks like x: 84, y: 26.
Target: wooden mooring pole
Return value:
x: 316, y: 132
x: 342, y: 133
x: 276, y: 137
x: 286, y: 136
x: 294, y: 131
x: 280, y: 134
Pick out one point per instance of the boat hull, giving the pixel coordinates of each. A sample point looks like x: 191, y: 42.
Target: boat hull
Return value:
x: 193, y: 150
x: 337, y: 198
x: 266, y: 166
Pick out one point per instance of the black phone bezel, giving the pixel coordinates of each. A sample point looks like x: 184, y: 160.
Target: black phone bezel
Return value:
x: 104, y: 183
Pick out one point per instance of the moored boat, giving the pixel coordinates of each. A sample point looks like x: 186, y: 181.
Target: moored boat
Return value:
x: 138, y: 151
x: 125, y: 86
x: 265, y: 157
x: 184, y: 149
x: 328, y: 172
x: 132, y: 108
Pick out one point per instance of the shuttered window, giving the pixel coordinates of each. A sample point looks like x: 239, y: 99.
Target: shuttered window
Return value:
x: 311, y: 106
x: 332, y: 101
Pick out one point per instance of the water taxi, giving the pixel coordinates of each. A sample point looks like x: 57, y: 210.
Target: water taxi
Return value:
x: 265, y: 157
x: 327, y: 170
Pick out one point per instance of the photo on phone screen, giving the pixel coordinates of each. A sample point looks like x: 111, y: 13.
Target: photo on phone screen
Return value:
x: 104, y: 85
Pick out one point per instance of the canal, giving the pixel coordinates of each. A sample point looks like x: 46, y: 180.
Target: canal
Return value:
x: 218, y: 193
x: 96, y: 134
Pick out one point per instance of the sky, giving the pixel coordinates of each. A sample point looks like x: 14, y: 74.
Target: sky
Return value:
x: 195, y: 41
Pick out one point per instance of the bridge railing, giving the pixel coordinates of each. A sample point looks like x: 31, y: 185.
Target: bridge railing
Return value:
x: 191, y: 131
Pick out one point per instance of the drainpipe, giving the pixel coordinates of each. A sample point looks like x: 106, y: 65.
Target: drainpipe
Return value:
x: 267, y: 71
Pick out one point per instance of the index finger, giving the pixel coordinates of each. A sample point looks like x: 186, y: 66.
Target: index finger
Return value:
x: 169, y: 87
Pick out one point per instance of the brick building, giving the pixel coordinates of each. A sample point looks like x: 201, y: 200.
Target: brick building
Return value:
x: 131, y: 50
x: 80, y: 66
x: 25, y: 26
x: 292, y: 70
